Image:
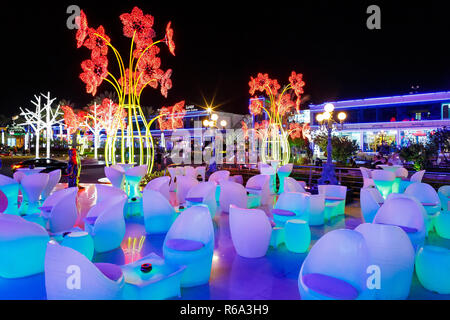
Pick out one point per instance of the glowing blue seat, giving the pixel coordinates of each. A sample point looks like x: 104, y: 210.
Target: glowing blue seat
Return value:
x: 432, y: 268
x: 159, y: 214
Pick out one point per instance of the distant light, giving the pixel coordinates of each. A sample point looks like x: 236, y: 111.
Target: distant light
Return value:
x: 327, y: 115
x: 206, y: 123
x: 209, y: 109
x: 329, y: 107
x: 214, y: 117
x: 223, y: 123
x: 342, y: 116
x: 319, y: 117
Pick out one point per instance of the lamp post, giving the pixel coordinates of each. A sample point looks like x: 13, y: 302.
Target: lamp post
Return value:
x: 327, y: 122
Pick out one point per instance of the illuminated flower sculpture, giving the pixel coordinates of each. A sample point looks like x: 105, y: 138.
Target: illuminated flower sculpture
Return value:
x: 275, y: 145
x: 143, y: 70
x: 171, y: 118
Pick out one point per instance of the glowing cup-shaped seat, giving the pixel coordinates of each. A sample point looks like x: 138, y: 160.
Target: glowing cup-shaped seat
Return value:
x: 250, y: 231
x: 160, y: 184
x: 442, y: 224
x: 290, y: 205
x: 384, y: 180
x: 336, y: 268
x: 133, y: 177
x: 369, y: 205
x: 108, y: 228
x: 444, y: 195
x: 334, y: 199
x: 258, y: 185
x: 432, y: 268
x: 232, y: 193
x: 297, y: 235
x: 59, y: 210
x: 10, y: 188
x: 292, y: 185
x: 53, y: 179
x: 184, y: 184
x: 115, y: 176
x: 70, y: 275
x: 190, y: 242
x: 22, y: 247
x: 392, y: 252
x: 80, y: 241
x: 405, y: 213
x: 203, y: 193
x: 33, y: 186
x: 284, y: 172
x: 159, y: 214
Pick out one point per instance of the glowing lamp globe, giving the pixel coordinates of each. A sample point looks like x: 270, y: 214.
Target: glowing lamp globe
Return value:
x: 326, y: 115
x: 223, y: 123
x: 329, y: 107
x: 214, y: 117
x: 319, y: 117
x: 342, y: 116
x: 206, y: 123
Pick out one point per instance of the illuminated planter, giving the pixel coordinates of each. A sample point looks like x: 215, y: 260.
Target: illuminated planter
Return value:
x: 81, y: 242
x: 22, y: 247
x: 283, y: 173
x: 159, y: 214
x: 432, y: 268
x: 297, y: 235
x: 442, y: 224
x: 391, y: 250
x: 335, y: 268
x: 190, y: 242
x: 10, y: 188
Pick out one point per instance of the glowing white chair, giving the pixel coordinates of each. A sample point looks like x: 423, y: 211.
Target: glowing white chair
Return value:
x: 184, y: 184
x: 259, y: 185
x: 200, y: 171
x: 119, y: 168
x: 429, y: 199
x: 384, y: 180
x: 444, y: 195
x: 432, y: 266
x: 203, y: 192
x: 336, y: 268
x: 292, y: 185
x: 10, y: 188
x: 392, y: 252
x: 133, y: 177
x: 190, y: 242
x: 284, y: 172
x: 108, y: 228
x: 335, y: 197
x: 179, y: 171
x: 160, y: 184
x: 69, y: 275
x: 22, y: 247
x: 270, y: 171
x: 237, y: 178
x: 377, y: 195
x: 173, y: 175
x: 216, y: 177
x: 405, y: 213
x: 316, y: 209
x: 159, y: 214
x: 232, y: 193
x: 104, y: 192
x: 59, y: 210
x: 418, y: 176
x: 33, y: 186
x: 369, y: 206
x: 367, y: 177
x: 290, y: 205
x: 115, y: 176
x: 53, y: 179
x: 190, y: 172
x: 250, y: 231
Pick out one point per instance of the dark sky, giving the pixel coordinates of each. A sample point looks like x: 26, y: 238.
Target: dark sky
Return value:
x: 220, y: 44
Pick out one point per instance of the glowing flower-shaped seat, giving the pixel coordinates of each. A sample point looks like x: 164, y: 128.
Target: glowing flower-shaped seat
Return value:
x: 384, y: 180
x: 22, y: 247
x: 416, y: 177
x: 232, y: 193
x: 161, y: 185
x: 367, y: 177
x: 250, y: 231
x: 10, y: 188
x: 334, y: 199
x: 259, y: 185
x: 405, y: 213
x: 392, y: 252
x: 290, y: 205
x: 369, y: 205
x: 297, y: 235
x: 203, y: 193
x: 33, y: 186
x: 444, y: 195
x: 159, y: 214
x: 115, y: 176
x: 108, y: 228
x: 184, y: 184
x: 237, y: 178
x: 335, y: 268
x: 53, y: 179
x: 284, y: 172
x: 69, y: 275
x: 190, y: 242
x: 133, y: 177
x: 292, y: 185
x: 432, y: 268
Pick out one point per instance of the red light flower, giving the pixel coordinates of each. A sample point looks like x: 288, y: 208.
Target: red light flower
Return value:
x: 72, y: 119
x: 147, y: 67
x: 81, y: 22
x: 273, y: 87
x: 95, y: 71
x: 255, y: 106
x: 137, y: 22
x: 172, y: 117
x: 295, y: 130
x: 285, y: 104
x: 297, y: 83
x: 125, y: 83
x: 97, y: 42
x: 166, y: 82
x: 259, y: 83
x: 169, y: 38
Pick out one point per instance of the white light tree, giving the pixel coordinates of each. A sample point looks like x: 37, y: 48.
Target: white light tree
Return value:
x: 92, y: 122
x: 43, y: 117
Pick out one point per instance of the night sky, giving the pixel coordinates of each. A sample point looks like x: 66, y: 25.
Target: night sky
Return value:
x: 220, y: 44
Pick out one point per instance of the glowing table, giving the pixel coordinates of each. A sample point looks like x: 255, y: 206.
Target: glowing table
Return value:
x: 162, y: 282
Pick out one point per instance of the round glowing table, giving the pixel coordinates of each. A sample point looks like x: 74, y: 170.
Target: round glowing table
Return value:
x: 28, y: 171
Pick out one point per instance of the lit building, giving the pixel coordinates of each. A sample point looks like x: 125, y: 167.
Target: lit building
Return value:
x: 396, y: 119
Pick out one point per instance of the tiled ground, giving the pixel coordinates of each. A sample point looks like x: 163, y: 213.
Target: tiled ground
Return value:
x: 273, y: 277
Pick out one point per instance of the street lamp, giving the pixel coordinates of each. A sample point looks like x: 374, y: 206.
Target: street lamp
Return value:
x: 327, y: 122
